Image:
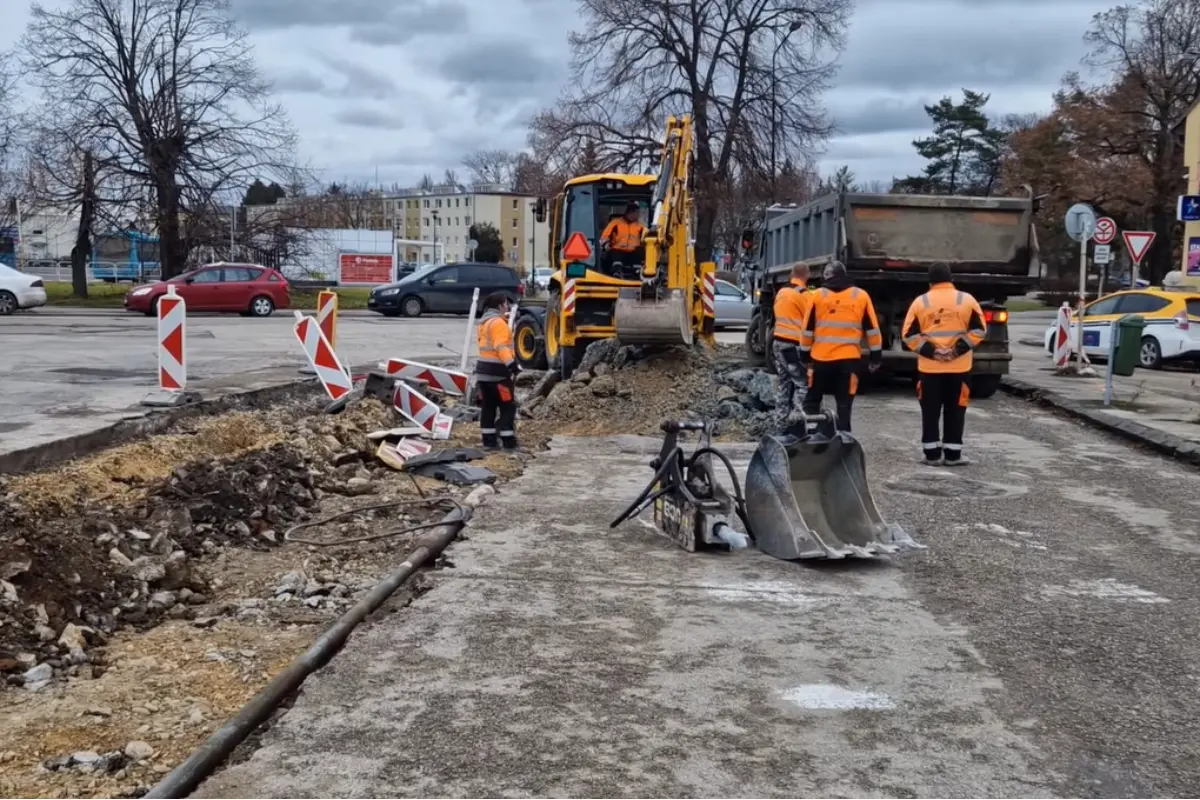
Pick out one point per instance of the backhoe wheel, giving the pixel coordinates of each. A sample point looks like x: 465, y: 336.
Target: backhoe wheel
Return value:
x: 531, y: 350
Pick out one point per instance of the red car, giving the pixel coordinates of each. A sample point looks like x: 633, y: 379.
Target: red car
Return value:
x: 247, y: 288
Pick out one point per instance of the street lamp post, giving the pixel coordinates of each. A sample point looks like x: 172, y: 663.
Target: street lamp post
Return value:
x: 795, y: 26
x: 435, y: 224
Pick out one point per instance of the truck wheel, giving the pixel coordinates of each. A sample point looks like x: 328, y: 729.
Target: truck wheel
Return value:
x: 756, y: 350
x: 529, y: 343
x: 984, y: 386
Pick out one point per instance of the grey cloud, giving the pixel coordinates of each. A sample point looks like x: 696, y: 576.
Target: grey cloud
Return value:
x: 300, y: 82
x: 883, y: 117
x: 413, y: 19
x: 844, y: 150
x: 368, y: 118
x: 496, y: 63
x: 359, y: 81
x: 263, y: 15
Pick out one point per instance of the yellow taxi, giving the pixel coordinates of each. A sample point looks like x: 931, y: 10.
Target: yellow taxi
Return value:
x: 1172, y: 324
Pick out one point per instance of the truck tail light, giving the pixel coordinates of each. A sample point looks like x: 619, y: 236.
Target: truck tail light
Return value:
x: 1000, y: 317
x: 1181, y: 321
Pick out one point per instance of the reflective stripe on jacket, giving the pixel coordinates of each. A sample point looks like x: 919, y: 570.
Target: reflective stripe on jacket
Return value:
x: 838, y: 323
x: 623, y: 235
x: 944, y: 317
x: 496, y: 355
x: 791, y: 308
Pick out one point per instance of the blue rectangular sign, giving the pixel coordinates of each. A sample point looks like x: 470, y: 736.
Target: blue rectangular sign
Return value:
x: 1187, y: 208
x: 1091, y: 338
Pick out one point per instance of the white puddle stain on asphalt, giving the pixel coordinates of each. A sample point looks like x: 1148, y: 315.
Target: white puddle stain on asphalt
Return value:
x: 1104, y: 589
x: 828, y: 697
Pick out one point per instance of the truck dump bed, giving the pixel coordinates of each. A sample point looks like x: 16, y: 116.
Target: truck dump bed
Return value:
x: 898, y: 233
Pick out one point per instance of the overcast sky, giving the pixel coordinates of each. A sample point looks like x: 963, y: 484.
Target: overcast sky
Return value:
x: 403, y: 87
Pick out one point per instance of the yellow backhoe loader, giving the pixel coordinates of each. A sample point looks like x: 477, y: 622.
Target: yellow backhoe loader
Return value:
x: 655, y: 295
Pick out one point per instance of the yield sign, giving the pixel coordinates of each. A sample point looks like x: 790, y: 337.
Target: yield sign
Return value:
x: 1106, y: 230
x: 1138, y: 243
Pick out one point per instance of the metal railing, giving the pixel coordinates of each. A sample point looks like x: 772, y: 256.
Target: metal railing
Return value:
x: 108, y: 271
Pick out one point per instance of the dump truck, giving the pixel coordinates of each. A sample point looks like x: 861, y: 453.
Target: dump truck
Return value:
x: 662, y: 296
x: 887, y: 242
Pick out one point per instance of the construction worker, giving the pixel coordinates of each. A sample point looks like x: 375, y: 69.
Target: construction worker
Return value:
x: 840, y: 318
x: 943, y: 327
x: 494, y: 373
x: 791, y: 309
x: 622, y: 237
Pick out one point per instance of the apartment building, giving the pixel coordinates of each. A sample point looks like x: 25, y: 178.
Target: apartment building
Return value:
x: 445, y: 215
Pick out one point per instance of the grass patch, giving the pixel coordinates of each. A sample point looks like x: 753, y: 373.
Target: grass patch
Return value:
x: 112, y: 295
x: 1024, y: 304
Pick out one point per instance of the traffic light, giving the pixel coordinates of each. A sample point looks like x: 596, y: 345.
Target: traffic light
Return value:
x: 748, y: 239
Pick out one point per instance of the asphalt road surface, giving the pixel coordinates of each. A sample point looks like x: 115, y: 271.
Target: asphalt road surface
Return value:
x: 1045, y: 644
x: 71, y: 371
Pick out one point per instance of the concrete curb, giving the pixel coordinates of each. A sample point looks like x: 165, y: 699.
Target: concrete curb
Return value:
x: 1168, y: 444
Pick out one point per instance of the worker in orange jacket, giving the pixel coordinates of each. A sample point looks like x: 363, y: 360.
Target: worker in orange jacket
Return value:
x: 494, y: 373
x: 943, y: 327
x: 621, y: 240
x: 792, y: 303
x: 841, y: 317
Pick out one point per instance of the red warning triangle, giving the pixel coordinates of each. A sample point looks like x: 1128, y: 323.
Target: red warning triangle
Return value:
x: 173, y: 343
x: 166, y: 380
x: 577, y: 248
x: 324, y: 357
x: 1138, y: 243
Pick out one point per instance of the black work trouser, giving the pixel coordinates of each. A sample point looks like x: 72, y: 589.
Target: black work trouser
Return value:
x: 838, y: 378
x: 943, y: 397
x: 498, y: 413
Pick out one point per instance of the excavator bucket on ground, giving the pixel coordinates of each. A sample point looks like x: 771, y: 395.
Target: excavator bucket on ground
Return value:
x: 807, y: 497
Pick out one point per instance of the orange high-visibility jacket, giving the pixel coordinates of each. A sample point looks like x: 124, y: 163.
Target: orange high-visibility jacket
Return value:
x: 623, y: 235
x: 944, y: 317
x: 837, y: 324
x: 791, y: 308
x: 496, y: 355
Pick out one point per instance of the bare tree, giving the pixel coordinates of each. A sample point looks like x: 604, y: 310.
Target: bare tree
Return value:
x: 10, y: 170
x: 1153, y: 50
x: 492, y: 166
x: 426, y: 182
x: 750, y: 72
x: 168, y: 90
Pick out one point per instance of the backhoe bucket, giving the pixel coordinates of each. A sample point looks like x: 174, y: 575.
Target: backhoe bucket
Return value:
x: 809, y: 499
x: 640, y: 321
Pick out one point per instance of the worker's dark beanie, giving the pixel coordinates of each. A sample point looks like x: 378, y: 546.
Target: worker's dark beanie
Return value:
x: 494, y: 300
x: 939, y: 272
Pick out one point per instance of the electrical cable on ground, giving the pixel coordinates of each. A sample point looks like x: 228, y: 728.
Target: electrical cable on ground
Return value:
x: 443, y: 502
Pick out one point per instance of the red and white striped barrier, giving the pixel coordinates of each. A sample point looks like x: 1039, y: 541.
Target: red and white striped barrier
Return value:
x: 416, y: 407
x: 327, y: 315
x: 321, y: 358
x: 568, y: 298
x: 172, y: 341
x: 446, y: 381
x: 172, y: 353
x: 1062, y: 337
x: 709, y: 295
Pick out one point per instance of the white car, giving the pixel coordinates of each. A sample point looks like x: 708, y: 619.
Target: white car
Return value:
x: 733, y: 306
x: 541, y: 276
x: 18, y: 290
x: 1172, y: 331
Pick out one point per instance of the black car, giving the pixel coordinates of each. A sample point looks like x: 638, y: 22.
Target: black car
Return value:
x: 443, y: 289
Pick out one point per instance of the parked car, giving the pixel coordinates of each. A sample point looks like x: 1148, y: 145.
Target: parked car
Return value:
x: 541, y: 277
x: 444, y: 289
x: 733, y: 306
x: 19, y: 290
x: 1172, y: 325
x: 251, y: 289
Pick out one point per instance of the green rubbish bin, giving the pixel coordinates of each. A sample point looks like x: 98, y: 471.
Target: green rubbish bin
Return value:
x: 1129, y: 344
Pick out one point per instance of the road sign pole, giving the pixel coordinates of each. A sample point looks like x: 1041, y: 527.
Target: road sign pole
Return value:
x: 1083, y: 242
x: 1081, y: 224
x: 1112, y: 356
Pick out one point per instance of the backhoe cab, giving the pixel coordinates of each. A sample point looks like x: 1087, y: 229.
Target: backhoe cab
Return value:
x: 657, y: 294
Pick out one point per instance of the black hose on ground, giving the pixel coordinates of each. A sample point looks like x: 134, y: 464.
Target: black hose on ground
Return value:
x: 184, y: 779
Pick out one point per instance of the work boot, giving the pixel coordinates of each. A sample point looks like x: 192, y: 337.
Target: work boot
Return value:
x: 960, y: 461
x: 491, y: 441
x: 936, y: 461
x: 508, y: 442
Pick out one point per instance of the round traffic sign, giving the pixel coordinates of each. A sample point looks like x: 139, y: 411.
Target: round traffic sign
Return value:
x: 1080, y: 222
x: 1106, y: 230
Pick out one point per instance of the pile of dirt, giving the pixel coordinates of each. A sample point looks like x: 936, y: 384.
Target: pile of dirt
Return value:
x: 632, y: 390
x: 114, y: 540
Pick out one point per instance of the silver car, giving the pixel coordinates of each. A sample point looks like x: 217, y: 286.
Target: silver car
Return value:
x: 733, y: 306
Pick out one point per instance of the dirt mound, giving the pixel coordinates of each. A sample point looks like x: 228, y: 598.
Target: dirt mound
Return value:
x: 103, y: 541
x: 632, y: 390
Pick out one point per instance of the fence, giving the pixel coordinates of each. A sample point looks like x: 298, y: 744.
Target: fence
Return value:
x: 61, y: 271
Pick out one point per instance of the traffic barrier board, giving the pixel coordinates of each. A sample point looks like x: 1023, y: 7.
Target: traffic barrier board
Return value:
x: 327, y: 314
x: 446, y: 381
x: 172, y: 341
x: 324, y: 362
x: 416, y: 407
